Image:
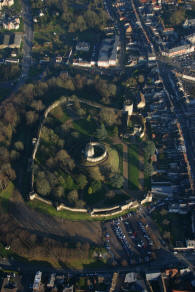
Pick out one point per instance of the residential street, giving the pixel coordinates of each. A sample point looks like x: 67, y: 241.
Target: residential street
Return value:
x: 28, y: 37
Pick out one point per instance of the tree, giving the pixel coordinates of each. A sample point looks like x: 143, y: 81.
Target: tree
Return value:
x: 141, y: 78
x: 117, y: 181
x: 37, y: 105
x: 8, y: 171
x: 148, y: 169
x: 149, y: 149
x: 177, y: 17
x: 79, y: 81
x: 167, y: 235
x: 79, y: 204
x: 64, y: 160
x: 19, y: 146
x: 4, y: 154
x: 73, y: 196
x: 101, y: 132
x: 28, y: 90
x: 69, y: 183
x: 112, y: 89
x: 108, y: 116
x: 81, y: 181
x: 68, y: 84
x: 57, y: 112
x: 81, y: 112
x: 130, y: 82
x: 90, y: 190
x: 110, y: 194
x: 31, y: 117
x: 52, y: 178
x: 166, y: 222
x: 96, y: 186
x: 42, y: 186
x: 163, y: 212
x: 10, y: 114
x: 115, y: 131
x: 14, y: 155
x: 76, y: 102
x: 59, y: 191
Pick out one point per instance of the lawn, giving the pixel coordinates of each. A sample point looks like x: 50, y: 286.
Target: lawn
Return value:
x: 7, y: 193
x: 81, y: 263
x: 44, y: 208
x: 119, y: 148
x: 133, y: 167
x: 85, y: 127
x: 113, y: 159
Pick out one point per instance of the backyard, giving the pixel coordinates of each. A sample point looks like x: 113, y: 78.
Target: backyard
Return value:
x: 173, y: 227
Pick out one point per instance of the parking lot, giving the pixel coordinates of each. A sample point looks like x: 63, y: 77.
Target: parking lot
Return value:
x: 129, y: 237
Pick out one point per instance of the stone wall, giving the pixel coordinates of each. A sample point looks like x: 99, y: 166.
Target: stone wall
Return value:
x: 64, y: 207
x: 110, y: 211
x: 37, y: 197
x: 148, y: 199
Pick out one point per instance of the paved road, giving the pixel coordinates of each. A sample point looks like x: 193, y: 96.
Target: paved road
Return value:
x: 28, y: 37
x: 164, y: 259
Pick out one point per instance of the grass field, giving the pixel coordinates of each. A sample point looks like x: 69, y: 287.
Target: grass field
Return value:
x: 85, y: 127
x: 113, y: 160
x: 7, y: 193
x: 74, y: 216
x: 119, y: 148
x: 133, y: 167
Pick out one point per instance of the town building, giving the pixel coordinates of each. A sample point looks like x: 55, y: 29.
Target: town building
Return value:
x: 4, y: 3
x: 82, y: 63
x: 12, y: 41
x: 190, y: 243
x: 141, y: 101
x: 51, y: 282
x: 8, y: 286
x: 108, y: 52
x: 151, y: 57
x: 37, y: 281
x: 168, y: 31
x: 82, y: 46
x: 191, y: 38
x: 162, y: 190
x: 189, y: 23
x: 11, y: 23
x: 178, y: 51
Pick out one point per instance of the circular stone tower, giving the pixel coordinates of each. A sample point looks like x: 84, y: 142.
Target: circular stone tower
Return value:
x: 95, y: 152
x: 89, y: 150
